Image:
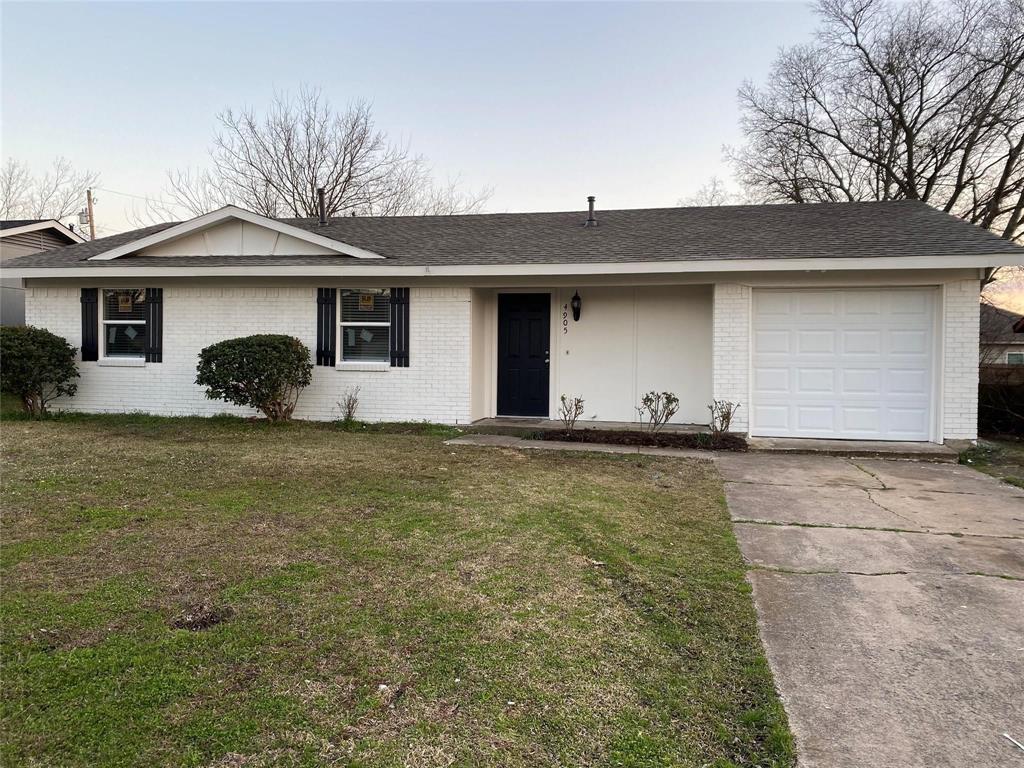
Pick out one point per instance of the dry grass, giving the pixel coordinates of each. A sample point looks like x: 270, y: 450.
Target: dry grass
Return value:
x: 223, y: 593
x: 1001, y: 457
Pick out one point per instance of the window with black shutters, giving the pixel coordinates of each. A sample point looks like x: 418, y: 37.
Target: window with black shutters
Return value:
x: 123, y: 322
x: 365, y: 325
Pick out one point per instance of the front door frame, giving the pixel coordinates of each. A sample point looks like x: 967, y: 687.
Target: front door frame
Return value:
x: 547, y: 304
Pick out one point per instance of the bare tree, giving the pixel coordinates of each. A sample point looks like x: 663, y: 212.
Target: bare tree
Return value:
x: 713, y: 192
x: 273, y: 163
x: 58, y: 192
x: 918, y: 100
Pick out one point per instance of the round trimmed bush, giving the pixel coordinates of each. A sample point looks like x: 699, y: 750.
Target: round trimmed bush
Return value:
x: 36, y: 365
x: 266, y: 372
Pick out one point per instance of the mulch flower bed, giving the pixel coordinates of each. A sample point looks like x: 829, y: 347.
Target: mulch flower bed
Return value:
x: 700, y: 440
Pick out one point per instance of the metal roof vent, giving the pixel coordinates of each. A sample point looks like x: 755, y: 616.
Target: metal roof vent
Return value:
x: 591, y: 218
x: 321, y: 206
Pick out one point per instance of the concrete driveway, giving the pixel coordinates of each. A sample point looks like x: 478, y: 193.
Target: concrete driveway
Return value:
x: 891, y: 602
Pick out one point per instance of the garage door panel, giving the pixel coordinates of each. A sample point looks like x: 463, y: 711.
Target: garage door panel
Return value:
x: 776, y: 304
x: 865, y: 420
x: 851, y: 364
x: 907, y: 421
x: 816, y: 418
x: 909, y: 343
x: 772, y: 417
x: 910, y: 303
x: 771, y: 381
x: 862, y: 342
x: 816, y: 381
x: 862, y: 381
x: 817, y: 304
x: 772, y: 342
x: 908, y: 381
x: 815, y: 342
x: 861, y: 305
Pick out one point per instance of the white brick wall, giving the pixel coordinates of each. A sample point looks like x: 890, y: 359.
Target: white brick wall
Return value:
x: 731, y: 349
x: 435, y: 387
x: 960, y: 320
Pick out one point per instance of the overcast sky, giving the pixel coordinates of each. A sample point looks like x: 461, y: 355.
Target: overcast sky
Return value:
x: 546, y: 103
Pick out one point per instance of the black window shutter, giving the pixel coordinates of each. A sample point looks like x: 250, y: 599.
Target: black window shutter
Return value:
x: 154, y: 325
x: 326, y: 326
x: 90, y: 324
x: 400, y: 327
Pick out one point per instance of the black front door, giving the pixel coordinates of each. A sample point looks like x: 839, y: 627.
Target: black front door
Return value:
x: 523, y: 345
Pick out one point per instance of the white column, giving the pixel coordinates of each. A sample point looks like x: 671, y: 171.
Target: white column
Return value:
x: 960, y: 320
x: 731, y: 349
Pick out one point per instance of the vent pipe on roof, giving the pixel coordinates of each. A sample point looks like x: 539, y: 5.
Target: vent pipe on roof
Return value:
x: 591, y: 218
x: 321, y: 206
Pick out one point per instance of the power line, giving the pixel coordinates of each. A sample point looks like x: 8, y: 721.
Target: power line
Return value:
x: 137, y: 197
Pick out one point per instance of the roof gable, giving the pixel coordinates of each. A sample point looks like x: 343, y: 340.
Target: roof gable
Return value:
x: 23, y: 226
x: 232, y: 231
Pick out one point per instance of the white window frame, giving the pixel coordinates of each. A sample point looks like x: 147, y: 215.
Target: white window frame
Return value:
x: 1019, y: 355
x: 125, y: 360
x: 364, y: 365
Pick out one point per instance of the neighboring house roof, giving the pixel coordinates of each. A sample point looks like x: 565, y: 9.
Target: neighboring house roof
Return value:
x: 12, y: 223
x: 11, y: 227
x: 762, y: 233
x: 1000, y: 326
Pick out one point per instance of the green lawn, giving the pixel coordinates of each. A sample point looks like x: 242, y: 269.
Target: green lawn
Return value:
x: 376, y: 599
x: 1001, y: 457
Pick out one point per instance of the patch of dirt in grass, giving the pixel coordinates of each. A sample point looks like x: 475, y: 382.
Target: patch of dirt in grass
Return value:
x: 202, y: 616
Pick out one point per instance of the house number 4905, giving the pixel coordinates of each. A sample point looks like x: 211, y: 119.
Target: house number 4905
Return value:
x: 565, y: 318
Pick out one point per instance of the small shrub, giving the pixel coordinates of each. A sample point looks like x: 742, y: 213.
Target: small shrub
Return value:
x: 656, y: 409
x: 348, y: 406
x: 569, y: 411
x: 266, y: 372
x: 37, y: 366
x: 722, y: 413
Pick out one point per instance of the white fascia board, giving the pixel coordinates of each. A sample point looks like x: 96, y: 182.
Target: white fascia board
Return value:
x: 232, y: 212
x: 38, y: 225
x: 516, y: 270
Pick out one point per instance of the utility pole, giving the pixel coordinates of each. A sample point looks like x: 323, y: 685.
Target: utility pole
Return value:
x: 92, y: 219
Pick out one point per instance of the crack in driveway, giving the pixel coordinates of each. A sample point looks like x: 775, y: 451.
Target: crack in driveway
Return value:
x: 844, y: 527
x: 838, y: 572
x: 870, y: 474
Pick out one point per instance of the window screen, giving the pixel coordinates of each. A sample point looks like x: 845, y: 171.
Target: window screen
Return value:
x: 366, y: 325
x: 124, y: 322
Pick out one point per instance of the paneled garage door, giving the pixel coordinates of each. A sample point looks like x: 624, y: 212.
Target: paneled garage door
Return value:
x: 848, y: 364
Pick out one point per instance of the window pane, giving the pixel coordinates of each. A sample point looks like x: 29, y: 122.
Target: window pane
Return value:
x: 371, y: 343
x: 370, y: 305
x: 125, y: 340
x: 124, y: 304
x: 1015, y: 358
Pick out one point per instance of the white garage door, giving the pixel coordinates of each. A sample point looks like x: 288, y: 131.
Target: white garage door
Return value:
x: 848, y: 364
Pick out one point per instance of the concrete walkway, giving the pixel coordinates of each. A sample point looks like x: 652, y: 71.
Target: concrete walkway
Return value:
x: 890, y: 597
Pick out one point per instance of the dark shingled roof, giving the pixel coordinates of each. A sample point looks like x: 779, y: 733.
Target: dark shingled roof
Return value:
x: 12, y: 223
x: 1000, y: 325
x: 823, y: 230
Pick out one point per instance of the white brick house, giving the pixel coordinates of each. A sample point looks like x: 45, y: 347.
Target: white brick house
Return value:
x: 849, y: 321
